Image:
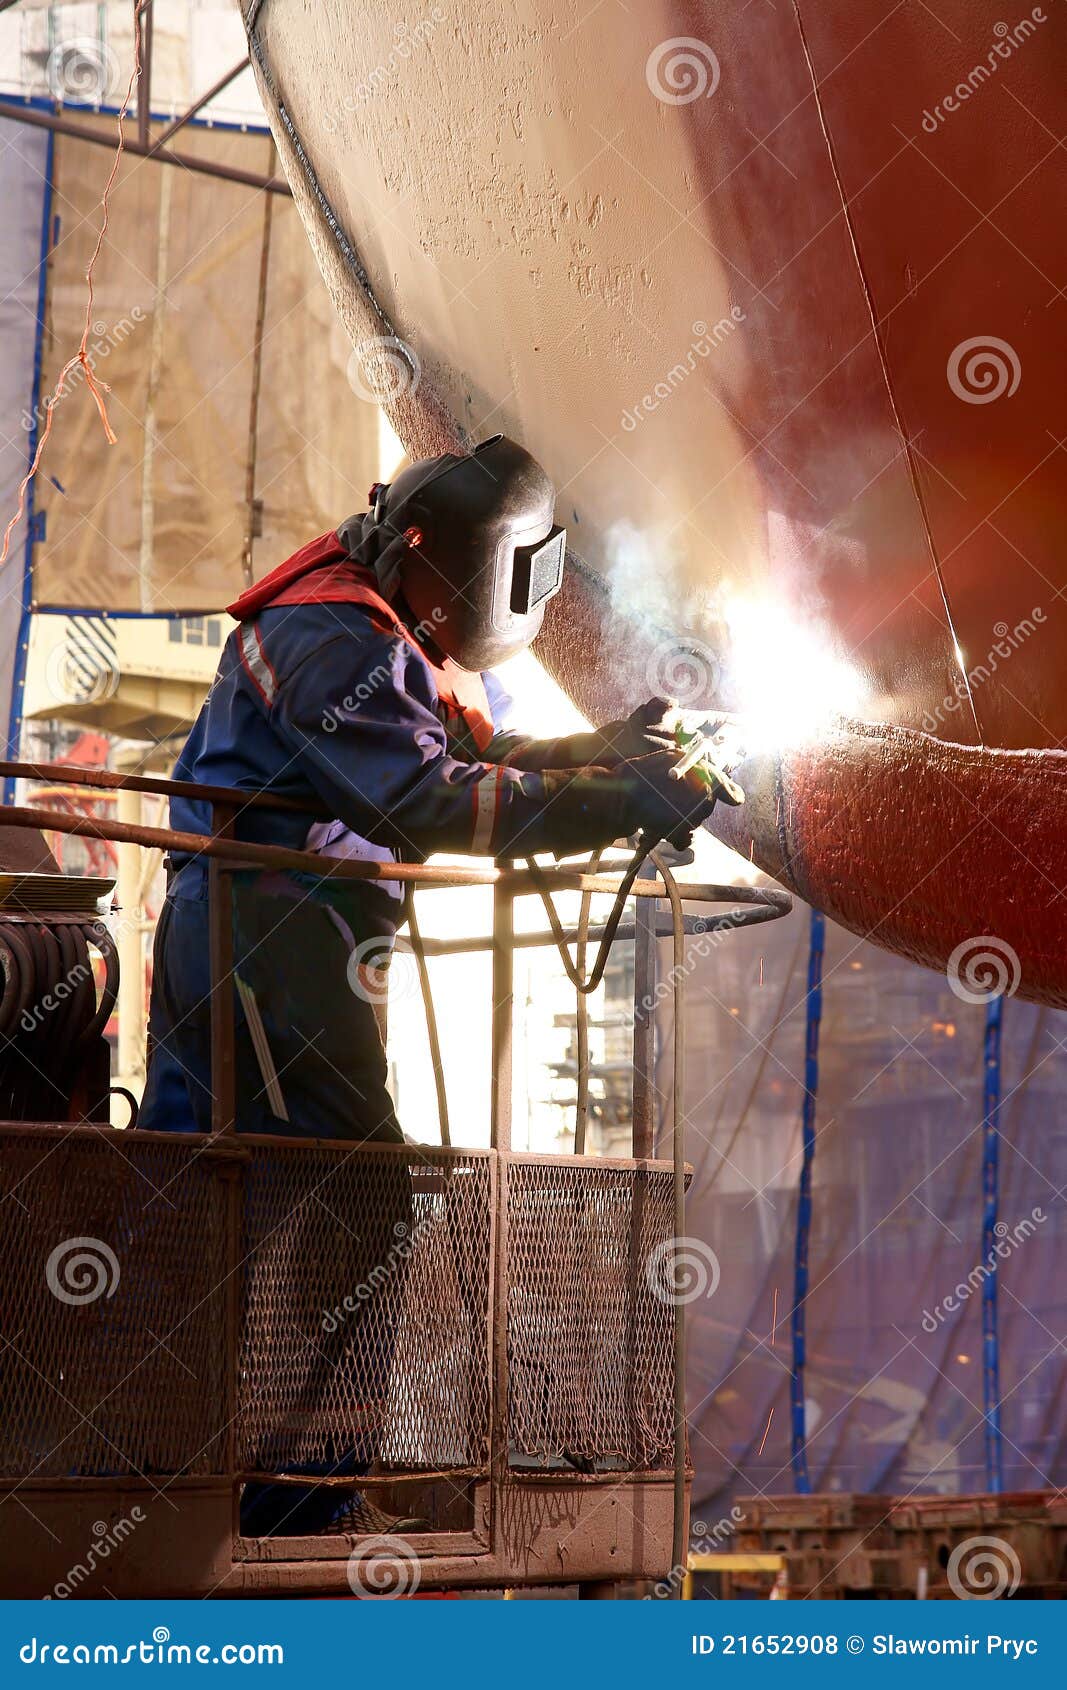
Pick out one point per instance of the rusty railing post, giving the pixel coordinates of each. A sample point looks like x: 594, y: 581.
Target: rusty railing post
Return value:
x: 223, y: 1122
x: 500, y: 1139
x: 220, y: 922
x: 644, y: 1078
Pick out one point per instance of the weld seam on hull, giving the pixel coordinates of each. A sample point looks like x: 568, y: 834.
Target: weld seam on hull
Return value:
x: 333, y: 222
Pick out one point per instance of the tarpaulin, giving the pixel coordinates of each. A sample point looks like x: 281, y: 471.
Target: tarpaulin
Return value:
x: 162, y: 522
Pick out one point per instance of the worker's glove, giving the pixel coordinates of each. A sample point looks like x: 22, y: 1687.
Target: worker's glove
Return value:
x: 649, y: 728
x: 660, y: 806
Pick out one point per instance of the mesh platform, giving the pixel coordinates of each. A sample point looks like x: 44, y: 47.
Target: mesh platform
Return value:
x: 365, y: 1308
x: 589, y: 1341
x: 110, y: 1306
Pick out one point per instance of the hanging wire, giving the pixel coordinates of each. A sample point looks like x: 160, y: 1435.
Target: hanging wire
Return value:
x: 96, y: 387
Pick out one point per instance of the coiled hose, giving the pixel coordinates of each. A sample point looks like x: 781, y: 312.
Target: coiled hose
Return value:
x: 51, y: 1012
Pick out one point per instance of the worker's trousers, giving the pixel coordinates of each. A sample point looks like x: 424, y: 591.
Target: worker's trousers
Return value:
x: 308, y: 1052
x: 309, y: 1063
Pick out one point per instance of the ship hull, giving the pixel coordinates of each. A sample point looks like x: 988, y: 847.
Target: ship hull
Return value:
x: 775, y: 296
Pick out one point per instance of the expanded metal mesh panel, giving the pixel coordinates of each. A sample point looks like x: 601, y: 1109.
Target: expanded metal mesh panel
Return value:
x: 111, y: 1306
x: 365, y: 1306
x: 590, y: 1332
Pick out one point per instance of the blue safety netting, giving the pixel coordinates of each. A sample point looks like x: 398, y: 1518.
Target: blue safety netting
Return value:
x: 935, y: 1154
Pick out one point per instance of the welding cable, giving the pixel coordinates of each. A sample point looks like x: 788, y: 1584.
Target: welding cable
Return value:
x: 67, y: 1000
x: 418, y: 951
x: 679, y: 1550
x: 611, y: 926
x: 57, y: 996
x: 9, y: 994
x: 85, y: 988
x: 53, y: 978
x: 16, y: 1079
x: 53, y: 957
x: 109, y: 991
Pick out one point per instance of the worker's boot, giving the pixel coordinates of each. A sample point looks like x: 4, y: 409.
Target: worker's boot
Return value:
x: 359, y: 1517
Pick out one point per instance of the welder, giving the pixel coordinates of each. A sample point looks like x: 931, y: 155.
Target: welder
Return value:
x: 354, y: 685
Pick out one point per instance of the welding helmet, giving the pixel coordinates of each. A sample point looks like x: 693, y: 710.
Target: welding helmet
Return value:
x: 485, y: 556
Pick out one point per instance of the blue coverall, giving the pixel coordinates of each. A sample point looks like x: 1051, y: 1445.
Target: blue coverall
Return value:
x: 338, y: 714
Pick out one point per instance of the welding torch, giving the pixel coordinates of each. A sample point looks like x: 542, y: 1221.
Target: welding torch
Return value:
x: 708, y: 756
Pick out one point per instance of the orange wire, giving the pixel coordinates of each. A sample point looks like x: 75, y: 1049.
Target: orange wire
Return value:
x: 96, y: 388
x: 766, y: 1431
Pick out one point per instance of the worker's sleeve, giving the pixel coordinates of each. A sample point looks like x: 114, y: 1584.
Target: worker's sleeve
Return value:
x: 359, y: 716
x: 517, y: 750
